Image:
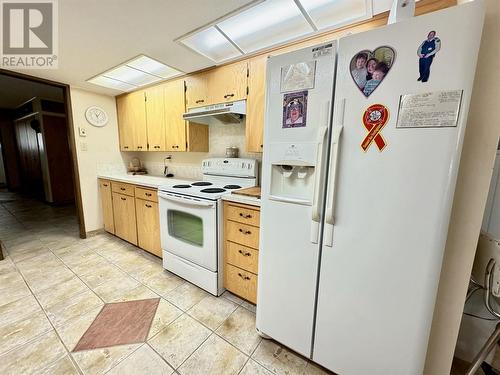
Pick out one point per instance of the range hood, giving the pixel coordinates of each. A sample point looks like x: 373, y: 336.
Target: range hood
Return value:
x: 228, y: 113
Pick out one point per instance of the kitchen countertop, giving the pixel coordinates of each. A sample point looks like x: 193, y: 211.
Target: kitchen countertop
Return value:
x: 242, y: 199
x: 145, y: 180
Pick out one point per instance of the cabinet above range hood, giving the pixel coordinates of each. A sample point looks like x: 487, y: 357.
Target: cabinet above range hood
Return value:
x: 228, y: 113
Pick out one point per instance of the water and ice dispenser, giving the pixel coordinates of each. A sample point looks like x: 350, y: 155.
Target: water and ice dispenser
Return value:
x: 293, y: 172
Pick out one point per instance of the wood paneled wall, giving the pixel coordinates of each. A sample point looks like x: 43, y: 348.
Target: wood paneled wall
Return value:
x: 8, y: 141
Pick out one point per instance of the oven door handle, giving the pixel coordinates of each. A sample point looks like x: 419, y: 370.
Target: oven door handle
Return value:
x: 191, y: 202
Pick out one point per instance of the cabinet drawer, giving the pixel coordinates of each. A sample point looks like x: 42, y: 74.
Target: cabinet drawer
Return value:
x: 243, y: 215
x: 241, y: 283
x: 121, y: 188
x: 242, y: 234
x: 149, y: 195
x: 243, y: 257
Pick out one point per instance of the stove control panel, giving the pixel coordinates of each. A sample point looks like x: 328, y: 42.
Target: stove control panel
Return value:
x: 230, y: 167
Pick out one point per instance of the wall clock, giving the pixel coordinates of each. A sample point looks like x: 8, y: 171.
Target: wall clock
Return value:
x: 96, y: 116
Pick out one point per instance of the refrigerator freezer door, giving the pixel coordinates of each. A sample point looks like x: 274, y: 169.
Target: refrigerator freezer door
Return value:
x: 378, y: 281
x: 292, y: 198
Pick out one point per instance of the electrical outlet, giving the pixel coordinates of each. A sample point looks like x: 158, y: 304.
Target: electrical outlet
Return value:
x: 82, y: 132
x: 83, y: 146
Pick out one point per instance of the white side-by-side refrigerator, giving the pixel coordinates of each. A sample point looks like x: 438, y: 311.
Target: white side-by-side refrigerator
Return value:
x: 359, y: 171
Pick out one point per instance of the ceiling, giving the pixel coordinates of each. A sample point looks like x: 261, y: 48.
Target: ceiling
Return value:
x: 15, y: 91
x: 96, y: 35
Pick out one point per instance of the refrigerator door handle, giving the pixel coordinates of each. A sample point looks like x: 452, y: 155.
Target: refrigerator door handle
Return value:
x: 334, y: 160
x: 316, y: 214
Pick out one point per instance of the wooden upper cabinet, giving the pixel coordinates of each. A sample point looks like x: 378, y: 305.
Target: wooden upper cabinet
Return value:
x: 174, y: 108
x: 196, y: 137
x: 155, y: 118
x: 254, y: 127
x: 228, y: 83
x: 197, y: 90
x: 131, y: 109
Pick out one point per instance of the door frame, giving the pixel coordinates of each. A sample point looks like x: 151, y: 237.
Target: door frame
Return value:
x: 71, y: 139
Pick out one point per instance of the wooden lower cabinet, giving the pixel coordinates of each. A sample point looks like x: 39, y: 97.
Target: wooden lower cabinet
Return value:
x: 131, y: 213
x: 148, y: 226
x: 107, y: 205
x: 125, y: 219
x: 241, y: 282
x: 241, y: 249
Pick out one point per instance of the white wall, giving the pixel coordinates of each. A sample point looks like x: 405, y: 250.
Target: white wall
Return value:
x: 102, y: 147
x: 476, y: 166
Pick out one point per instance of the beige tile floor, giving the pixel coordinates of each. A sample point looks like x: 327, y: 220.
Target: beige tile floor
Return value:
x: 53, y: 285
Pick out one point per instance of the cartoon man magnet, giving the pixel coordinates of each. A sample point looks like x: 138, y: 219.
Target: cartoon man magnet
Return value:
x: 426, y: 52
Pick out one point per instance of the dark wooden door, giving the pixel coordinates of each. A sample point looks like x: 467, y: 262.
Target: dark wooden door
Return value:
x: 29, y: 159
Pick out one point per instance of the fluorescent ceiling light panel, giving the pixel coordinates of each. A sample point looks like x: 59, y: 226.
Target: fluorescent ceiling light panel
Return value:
x: 130, y: 75
x: 268, y: 23
x: 212, y: 44
x: 111, y: 83
x: 154, y: 67
x: 330, y: 13
x: 138, y: 72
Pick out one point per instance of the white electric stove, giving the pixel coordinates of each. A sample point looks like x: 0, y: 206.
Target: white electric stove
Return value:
x: 191, y: 220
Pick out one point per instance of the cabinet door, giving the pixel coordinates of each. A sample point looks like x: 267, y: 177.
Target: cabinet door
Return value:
x: 256, y: 103
x: 148, y: 226
x: 124, y: 215
x: 197, y: 90
x: 125, y: 123
x: 107, y: 206
x: 131, y: 110
x: 228, y: 83
x: 197, y: 137
x: 155, y: 118
x: 174, y: 108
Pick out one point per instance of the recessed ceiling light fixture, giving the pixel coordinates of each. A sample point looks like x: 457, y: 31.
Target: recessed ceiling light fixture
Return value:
x: 135, y: 73
x: 273, y: 22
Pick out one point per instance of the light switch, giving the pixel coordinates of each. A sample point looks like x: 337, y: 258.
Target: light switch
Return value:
x: 82, y: 132
x: 83, y: 146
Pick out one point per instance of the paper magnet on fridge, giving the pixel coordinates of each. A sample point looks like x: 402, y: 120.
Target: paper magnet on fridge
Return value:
x: 295, y: 109
x: 426, y: 53
x: 369, y: 68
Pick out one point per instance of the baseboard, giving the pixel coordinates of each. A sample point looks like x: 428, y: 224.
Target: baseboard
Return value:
x: 96, y: 232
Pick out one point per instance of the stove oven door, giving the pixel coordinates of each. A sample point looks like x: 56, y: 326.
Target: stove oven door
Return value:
x: 189, y: 228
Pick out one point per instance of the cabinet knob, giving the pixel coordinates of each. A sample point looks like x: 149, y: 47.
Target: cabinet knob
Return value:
x: 244, y: 231
x: 123, y: 199
x: 244, y: 277
x: 105, y: 185
x: 228, y: 96
x: 139, y: 147
x: 200, y: 101
x: 125, y: 146
x: 148, y: 205
x: 244, y: 253
x: 148, y: 194
x: 123, y: 189
x: 248, y: 216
